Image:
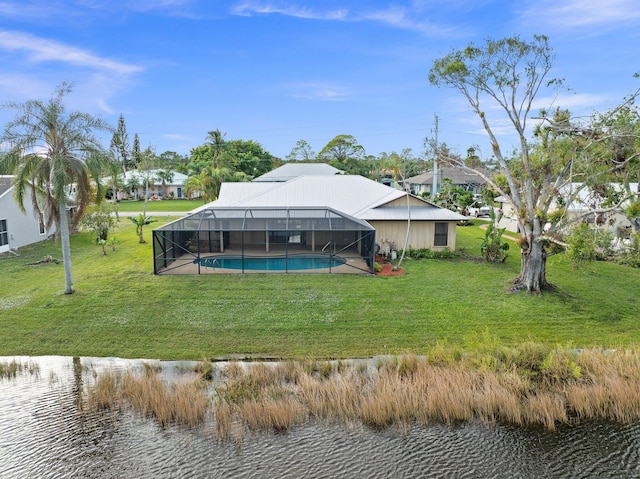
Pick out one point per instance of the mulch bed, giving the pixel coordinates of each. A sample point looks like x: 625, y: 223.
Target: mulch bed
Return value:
x: 387, y: 268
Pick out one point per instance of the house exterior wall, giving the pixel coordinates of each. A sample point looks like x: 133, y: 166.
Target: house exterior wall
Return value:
x: 413, y: 201
x: 421, y: 234
x: 22, y: 228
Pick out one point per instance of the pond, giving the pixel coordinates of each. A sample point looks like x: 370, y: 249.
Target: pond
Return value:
x: 44, y: 435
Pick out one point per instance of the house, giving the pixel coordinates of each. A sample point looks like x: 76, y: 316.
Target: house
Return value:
x: 584, y: 206
x: 134, y: 185
x: 465, y: 179
x: 18, y: 229
x: 343, y: 215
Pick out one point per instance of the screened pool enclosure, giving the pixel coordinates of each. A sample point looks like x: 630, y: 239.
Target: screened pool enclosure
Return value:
x: 264, y: 240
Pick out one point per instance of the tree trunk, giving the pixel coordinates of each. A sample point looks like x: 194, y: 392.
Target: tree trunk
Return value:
x: 533, y: 271
x: 66, y: 248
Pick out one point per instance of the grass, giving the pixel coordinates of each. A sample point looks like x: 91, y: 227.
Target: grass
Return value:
x: 121, y: 309
x: 136, y: 206
x: 524, y: 386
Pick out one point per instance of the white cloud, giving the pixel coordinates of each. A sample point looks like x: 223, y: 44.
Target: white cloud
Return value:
x: 405, y: 19
x: 400, y: 17
x: 42, y: 50
x: 250, y: 8
x: 579, y: 102
x: 581, y: 13
x: 318, y: 91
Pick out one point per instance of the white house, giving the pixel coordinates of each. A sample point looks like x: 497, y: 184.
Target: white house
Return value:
x: 585, y: 206
x: 18, y: 229
x: 386, y: 209
x: 336, y: 217
x: 157, y: 188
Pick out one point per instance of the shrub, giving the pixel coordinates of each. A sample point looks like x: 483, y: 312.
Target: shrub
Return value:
x: 492, y: 247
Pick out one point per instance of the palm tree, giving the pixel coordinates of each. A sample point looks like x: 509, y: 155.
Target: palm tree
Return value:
x: 164, y: 176
x: 215, y: 139
x: 132, y: 186
x: 52, y: 151
x: 140, y: 221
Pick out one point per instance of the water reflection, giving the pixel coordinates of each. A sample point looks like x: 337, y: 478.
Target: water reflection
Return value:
x: 45, y: 433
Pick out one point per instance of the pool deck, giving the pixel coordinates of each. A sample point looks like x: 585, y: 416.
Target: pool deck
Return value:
x: 186, y: 265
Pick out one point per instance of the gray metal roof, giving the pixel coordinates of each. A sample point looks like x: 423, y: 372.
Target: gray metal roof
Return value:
x: 458, y: 176
x: 288, y: 171
x: 418, y: 213
x: 5, y: 184
x: 352, y: 195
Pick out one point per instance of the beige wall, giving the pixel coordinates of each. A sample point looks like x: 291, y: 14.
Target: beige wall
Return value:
x: 421, y: 234
x: 413, y: 201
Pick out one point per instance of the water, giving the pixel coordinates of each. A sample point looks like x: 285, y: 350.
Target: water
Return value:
x: 292, y: 263
x: 42, y: 435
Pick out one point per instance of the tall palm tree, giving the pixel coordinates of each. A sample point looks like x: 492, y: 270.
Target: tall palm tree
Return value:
x: 51, y: 152
x: 215, y: 139
x: 164, y: 176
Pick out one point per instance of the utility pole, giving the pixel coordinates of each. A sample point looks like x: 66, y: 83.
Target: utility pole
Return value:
x: 434, y: 187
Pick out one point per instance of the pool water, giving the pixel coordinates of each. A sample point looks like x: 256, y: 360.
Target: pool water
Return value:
x: 283, y: 263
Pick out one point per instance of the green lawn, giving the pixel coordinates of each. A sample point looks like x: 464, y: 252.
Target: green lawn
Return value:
x: 121, y: 309
x: 135, y: 206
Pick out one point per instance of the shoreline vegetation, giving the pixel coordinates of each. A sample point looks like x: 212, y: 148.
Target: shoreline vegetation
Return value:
x: 528, y: 386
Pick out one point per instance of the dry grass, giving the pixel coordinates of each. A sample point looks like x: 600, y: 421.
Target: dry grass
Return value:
x: 527, y: 386
x: 11, y: 369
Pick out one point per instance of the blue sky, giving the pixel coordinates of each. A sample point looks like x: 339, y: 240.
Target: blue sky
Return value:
x: 278, y: 71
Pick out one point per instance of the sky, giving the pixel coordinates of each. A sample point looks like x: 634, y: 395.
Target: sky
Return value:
x: 279, y: 71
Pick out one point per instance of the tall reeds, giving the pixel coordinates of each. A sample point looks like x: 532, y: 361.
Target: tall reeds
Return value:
x: 530, y: 385
x: 13, y: 368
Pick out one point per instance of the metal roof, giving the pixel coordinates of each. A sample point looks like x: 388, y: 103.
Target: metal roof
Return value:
x: 353, y: 195
x: 347, y: 193
x: 288, y: 171
x: 418, y: 213
x: 457, y: 176
x: 5, y: 184
x: 257, y: 218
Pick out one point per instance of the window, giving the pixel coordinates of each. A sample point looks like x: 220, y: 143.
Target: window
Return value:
x: 441, y: 234
x: 4, y: 233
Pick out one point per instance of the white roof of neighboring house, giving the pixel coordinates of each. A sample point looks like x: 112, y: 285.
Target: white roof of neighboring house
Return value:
x: 5, y: 184
x: 288, y: 171
x: 351, y: 194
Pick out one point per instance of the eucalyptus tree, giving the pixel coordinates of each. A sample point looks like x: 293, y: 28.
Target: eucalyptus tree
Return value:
x: 302, y: 151
x: 52, y: 152
x: 509, y: 74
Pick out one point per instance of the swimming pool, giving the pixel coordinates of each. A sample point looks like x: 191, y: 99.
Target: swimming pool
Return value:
x: 282, y: 263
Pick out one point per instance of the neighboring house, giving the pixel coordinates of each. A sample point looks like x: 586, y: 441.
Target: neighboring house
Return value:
x: 289, y: 171
x: 459, y: 177
x: 174, y: 188
x: 583, y: 206
x: 18, y: 229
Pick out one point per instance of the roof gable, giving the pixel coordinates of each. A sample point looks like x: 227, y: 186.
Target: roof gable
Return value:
x: 6, y: 182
